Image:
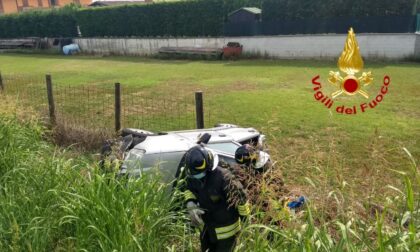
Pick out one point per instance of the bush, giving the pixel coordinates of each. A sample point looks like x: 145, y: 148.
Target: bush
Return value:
x: 49, y: 203
x: 185, y: 18
x: 301, y: 9
x: 40, y: 23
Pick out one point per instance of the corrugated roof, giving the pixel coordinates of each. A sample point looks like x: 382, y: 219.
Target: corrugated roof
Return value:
x: 253, y: 10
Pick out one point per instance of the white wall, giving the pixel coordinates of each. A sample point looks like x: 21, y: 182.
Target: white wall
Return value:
x: 391, y: 46
x: 417, y: 46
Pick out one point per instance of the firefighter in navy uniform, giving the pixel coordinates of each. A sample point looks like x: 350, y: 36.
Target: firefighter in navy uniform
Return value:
x: 216, y: 203
x: 250, y: 157
x: 255, y: 171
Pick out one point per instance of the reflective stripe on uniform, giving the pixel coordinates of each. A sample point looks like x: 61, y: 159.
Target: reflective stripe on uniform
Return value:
x: 188, y: 195
x: 244, y: 209
x: 228, y: 231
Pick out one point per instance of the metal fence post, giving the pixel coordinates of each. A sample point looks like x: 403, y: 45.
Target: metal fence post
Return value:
x: 199, y: 109
x: 117, y: 106
x: 51, y: 105
x: 1, y: 83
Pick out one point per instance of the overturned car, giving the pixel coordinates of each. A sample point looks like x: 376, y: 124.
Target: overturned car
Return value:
x: 141, y: 151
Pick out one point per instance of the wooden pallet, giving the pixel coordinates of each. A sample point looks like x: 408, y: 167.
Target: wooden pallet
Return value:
x: 192, y: 51
x: 18, y: 43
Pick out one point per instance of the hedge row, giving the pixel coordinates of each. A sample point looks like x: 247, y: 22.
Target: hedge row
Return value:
x: 192, y: 18
x: 184, y: 18
x: 53, y: 23
x: 303, y: 9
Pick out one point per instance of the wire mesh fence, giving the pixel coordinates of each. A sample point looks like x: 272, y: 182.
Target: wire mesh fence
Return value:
x: 29, y: 91
x: 88, y: 106
x: 93, y: 106
x: 157, y: 112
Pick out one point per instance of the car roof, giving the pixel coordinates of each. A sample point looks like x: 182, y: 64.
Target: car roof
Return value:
x: 164, y: 143
x: 176, y: 141
x: 220, y: 134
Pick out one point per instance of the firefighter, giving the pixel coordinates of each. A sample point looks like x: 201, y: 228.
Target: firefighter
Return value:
x: 256, y: 173
x: 215, y: 202
x: 247, y: 156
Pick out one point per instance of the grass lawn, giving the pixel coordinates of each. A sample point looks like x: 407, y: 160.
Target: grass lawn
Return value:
x: 318, y: 150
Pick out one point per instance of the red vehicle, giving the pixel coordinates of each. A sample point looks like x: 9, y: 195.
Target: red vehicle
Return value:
x: 232, y: 50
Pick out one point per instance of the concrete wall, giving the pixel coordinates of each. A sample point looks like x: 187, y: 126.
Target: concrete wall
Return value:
x: 417, y: 47
x: 389, y: 46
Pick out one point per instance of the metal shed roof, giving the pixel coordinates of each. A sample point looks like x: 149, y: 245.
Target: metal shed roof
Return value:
x: 253, y: 10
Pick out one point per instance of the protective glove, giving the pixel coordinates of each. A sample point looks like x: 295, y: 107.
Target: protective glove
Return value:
x: 195, y: 214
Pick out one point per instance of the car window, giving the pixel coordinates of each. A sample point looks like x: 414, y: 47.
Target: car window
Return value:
x: 228, y: 147
x: 252, y: 141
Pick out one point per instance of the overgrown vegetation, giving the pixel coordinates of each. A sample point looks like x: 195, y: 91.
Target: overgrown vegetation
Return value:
x: 363, y: 188
x: 49, y: 202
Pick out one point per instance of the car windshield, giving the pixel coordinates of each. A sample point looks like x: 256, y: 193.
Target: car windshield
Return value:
x: 229, y: 147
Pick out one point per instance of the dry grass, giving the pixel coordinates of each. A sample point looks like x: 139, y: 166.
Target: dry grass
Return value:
x: 71, y: 135
x: 64, y: 133
x: 12, y: 105
x: 314, y: 166
x: 339, y: 189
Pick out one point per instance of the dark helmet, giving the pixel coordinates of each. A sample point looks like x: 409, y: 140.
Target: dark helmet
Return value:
x: 245, y: 154
x: 198, y: 160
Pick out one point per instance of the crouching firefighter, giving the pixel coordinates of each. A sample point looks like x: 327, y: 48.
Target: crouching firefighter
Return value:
x: 215, y: 202
x: 249, y: 157
x: 255, y: 171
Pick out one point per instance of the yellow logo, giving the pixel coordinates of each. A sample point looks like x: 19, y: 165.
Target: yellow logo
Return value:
x: 350, y: 62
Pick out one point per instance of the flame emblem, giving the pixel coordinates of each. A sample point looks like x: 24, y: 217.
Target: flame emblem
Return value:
x: 350, y: 62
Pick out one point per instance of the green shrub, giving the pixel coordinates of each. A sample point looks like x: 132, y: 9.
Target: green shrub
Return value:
x: 185, y: 18
x: 52, y: 203
x: 39, y: 23
x: 49, y: 203
x: 301, y: 9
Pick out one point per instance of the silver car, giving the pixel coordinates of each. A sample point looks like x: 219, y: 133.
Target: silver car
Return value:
x: 163, y: 152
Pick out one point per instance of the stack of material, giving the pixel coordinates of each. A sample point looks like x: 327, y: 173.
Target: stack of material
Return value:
x: 192, y: 51
x: 19, y: 43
